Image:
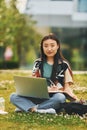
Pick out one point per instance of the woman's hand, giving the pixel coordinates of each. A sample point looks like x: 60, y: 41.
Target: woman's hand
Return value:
x: 69, y: 91
x: 53, y: 89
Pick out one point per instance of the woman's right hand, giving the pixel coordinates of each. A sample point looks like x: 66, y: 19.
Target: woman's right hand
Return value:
x: 53, y: 89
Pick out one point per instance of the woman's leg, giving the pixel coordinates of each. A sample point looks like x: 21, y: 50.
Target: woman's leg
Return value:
x: 53, y: 102
x: 25, y: 104
x: 21, y: 102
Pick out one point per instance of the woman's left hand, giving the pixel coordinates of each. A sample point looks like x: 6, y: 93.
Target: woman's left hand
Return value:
x: 69, y: 91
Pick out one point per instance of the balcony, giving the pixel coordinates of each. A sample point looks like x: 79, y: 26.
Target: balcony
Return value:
x: 60, y: 13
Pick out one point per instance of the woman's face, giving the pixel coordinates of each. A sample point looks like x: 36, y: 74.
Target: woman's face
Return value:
x: 50, y: 47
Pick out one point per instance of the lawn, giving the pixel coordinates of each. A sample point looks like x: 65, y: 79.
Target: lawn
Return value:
x: 34, y: 121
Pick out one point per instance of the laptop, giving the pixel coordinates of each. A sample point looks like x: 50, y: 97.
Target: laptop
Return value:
x: 31, y: 87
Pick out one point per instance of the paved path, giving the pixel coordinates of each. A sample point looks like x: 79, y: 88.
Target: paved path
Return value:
x: 29, y: 71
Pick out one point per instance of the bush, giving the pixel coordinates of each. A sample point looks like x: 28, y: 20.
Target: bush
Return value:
x: 9, y: 64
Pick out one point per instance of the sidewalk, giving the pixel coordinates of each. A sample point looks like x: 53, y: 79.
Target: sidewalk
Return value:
x: 30, y: 71
x: 79, y: 72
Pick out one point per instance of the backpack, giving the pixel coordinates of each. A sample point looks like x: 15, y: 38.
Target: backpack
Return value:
x: 74, y: 108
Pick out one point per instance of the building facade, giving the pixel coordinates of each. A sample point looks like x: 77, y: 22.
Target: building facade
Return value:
x: 58, y: 13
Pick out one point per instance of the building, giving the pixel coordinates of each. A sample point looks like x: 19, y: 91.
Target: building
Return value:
x: 63, y: 14
x: 58, y: 13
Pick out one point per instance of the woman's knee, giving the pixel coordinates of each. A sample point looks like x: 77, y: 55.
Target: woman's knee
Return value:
x: 59, y: 97
x: 13, y: 97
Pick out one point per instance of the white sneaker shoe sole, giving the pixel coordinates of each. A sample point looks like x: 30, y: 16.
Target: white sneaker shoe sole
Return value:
x: 49, y: 111
x: 18, y: 110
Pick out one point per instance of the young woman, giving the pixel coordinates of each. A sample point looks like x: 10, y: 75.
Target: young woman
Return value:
x: 54, y: 67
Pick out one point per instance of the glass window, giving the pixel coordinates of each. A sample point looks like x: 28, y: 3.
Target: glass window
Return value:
x: 82, y: 5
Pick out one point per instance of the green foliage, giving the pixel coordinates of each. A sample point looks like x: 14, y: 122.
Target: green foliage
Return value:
x: 9, y: 64
x: 29, y: 55
x: 17, y: 30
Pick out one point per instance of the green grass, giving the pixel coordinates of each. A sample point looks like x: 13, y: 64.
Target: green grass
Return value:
x: 34, y: 121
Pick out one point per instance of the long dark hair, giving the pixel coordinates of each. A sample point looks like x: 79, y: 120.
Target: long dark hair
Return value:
x: 58, y: 56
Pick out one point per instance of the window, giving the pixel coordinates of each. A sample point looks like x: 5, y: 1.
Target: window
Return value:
x: 82, y: 5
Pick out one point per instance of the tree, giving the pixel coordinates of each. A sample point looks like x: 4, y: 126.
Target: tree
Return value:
x: 15, y: 30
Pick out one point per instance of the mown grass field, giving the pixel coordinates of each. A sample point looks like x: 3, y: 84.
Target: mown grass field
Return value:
x: 34, y: 121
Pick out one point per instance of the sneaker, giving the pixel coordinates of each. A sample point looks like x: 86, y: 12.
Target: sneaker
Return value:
x: 49, y: 111
x: 18, y: 110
